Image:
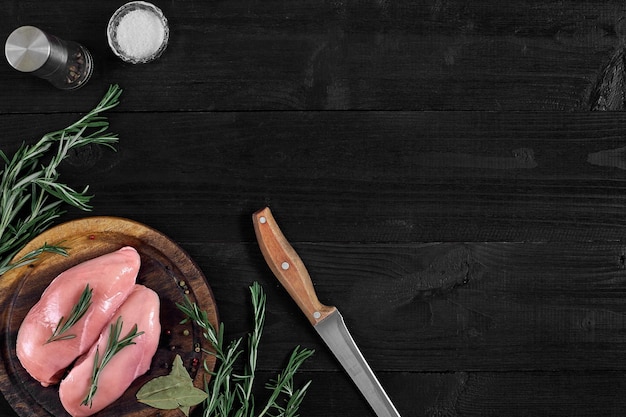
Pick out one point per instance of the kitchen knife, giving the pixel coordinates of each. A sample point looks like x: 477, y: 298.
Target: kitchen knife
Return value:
x: 327, y: 321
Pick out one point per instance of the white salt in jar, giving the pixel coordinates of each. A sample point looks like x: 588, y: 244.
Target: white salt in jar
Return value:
x: 138, y: 32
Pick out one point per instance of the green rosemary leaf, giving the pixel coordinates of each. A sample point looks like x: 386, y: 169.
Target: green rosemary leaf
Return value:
x: 283, y: 384
x: 4, y: 157
x: 32, y: 256
x: 230, y: 394
x: 78, y: 311
x: 114, y: 345
x: 26, y: 178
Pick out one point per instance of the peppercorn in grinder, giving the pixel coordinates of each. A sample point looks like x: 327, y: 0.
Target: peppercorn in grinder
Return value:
x: 65, y: 64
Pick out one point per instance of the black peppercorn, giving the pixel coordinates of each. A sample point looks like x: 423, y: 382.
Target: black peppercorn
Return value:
x: 65, y: 64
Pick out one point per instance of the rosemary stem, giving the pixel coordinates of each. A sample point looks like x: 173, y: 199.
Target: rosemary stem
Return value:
x: 26, y: 182
x: 231, y: 395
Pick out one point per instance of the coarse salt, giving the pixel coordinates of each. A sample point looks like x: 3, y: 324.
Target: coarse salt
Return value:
x: 140, y: 34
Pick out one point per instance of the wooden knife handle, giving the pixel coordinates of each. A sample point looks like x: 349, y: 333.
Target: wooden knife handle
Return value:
x: 287, y: 266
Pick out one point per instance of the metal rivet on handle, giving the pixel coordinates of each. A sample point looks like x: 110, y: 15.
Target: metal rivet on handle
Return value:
x: 262, y: 220
x: 285, y: 265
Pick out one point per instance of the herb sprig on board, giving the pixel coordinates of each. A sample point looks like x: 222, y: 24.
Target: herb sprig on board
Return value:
x: 78, y: 311
x: 31, y: 194
x: 114, y: 345
x: 230, y: 394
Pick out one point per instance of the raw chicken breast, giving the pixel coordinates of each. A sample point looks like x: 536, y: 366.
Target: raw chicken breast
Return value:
x: 141, y: 308
x: 111, y: 278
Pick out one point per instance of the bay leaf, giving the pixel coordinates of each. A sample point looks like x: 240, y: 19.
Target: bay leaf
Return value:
x: 160, y: 386
x: 174, y: 397
x: 179, y: 371
x: 161, y: 402
x: 175, y: 390
x: 187, y: 396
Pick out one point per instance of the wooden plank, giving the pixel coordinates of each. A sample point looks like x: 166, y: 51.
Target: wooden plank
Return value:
x: 478, y: 394
x: 488, y: 394
x: 403, y: 55
x: 482, y: 394
x: 441, y: 307
x: 384, y: 176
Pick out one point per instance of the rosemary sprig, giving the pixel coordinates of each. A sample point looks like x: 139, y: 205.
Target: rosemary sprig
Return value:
x: 78, y: 311
x: 230, y: 394
x: 32, y: 256
x: 114, y: 345
x: 30, y: 192
x: 283, y: 384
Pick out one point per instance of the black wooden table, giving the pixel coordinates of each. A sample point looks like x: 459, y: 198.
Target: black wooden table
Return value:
x: 451, y: 172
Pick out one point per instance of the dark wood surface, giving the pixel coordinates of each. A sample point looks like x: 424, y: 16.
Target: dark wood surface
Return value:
x: 452, y: 173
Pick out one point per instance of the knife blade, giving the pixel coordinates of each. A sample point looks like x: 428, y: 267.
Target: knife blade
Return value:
x: 285, y: 263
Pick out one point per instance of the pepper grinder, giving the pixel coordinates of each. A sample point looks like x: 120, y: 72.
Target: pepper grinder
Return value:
x: 65, y: 64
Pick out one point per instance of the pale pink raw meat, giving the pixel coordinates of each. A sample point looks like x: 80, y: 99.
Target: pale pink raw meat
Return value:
x: 111, y: 277
x: 141, y: 308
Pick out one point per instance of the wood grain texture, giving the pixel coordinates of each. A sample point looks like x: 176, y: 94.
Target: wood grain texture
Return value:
x: 499, y: 307
x: 360, y: 176
x: 451, y: 172
x: 288, y: 268
x: 401, y: 55
x: 540, y: 394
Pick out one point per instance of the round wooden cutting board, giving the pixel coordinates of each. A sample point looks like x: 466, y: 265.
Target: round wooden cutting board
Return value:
x: 165, y: 268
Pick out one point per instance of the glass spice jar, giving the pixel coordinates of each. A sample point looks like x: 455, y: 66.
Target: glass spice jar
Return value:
x: 65, y: 64
x: 138, y: 32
